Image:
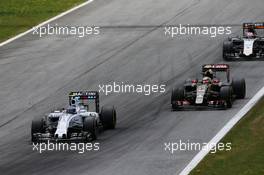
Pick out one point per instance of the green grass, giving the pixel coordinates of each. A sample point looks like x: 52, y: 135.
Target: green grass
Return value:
x: 17, y: 16
x: 247, y: 154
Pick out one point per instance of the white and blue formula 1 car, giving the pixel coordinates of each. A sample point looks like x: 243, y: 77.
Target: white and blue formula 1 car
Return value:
x: 81, y: 121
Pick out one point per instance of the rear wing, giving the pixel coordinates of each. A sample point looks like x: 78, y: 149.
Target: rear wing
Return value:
x: 218, y: 68
x: 85, y: 95
x: 258, y: 25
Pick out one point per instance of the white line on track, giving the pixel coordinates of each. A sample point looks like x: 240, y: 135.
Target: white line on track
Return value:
x: 45, y: 22
x: 198, y: 158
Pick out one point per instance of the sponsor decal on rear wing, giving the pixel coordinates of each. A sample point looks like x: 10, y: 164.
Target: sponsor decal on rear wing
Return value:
x: 258, y: 25
x: 85, y: 94
x: 216, y: 67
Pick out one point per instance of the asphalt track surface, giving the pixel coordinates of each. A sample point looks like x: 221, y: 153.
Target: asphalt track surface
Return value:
x: 37, y: 73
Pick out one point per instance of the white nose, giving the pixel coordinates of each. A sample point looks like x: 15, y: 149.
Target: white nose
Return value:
x: 62, y: 127
x: 60, y: 134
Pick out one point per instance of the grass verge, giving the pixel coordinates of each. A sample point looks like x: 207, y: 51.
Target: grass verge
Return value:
x: 17, y: 16
x: 247, y: 154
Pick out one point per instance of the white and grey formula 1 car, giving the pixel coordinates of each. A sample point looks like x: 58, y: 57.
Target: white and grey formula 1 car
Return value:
x: 251, y: 45
x: 79, y: 122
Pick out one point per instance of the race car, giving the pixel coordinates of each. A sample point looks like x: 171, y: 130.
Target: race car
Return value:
x: 250, y: 45
x: 215, y: 89
x: 80, y: 121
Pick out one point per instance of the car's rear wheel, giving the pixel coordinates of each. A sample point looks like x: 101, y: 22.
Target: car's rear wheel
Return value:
x: 239, y: 87
x: 108, y: 117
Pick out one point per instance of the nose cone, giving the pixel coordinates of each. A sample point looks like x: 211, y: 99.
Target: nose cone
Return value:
x: 62, y: 127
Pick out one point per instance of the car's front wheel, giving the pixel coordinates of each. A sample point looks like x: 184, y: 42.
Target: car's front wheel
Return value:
x: 226, y: 95
x: 90, y: 126
x: 176, y: 95
x: 227, y: 49
x: 37, y: 126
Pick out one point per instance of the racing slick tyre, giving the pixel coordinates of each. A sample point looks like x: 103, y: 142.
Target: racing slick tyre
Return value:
x: 239, y: 88
x: 226, y: 95
x: 176, y: 95
x: 227, y: 48
x: 108, y: 117
x: 37, y: 126
x: 90, y: 125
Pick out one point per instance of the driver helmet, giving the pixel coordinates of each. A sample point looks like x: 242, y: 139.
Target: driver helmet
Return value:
x: 206, y: 80
x: 250, y: 32
x: 75, y: 101
x: 209, y: 73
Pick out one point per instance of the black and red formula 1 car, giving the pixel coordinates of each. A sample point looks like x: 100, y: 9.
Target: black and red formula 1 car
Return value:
x: 215, y: 89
